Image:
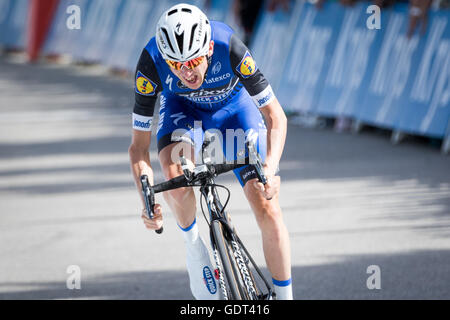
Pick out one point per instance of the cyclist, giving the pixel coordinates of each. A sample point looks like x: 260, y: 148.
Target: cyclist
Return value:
x: 203, y: 72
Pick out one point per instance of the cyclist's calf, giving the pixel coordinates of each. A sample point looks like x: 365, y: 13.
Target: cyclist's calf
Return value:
x: 182, y: 202
x: 275, y: 236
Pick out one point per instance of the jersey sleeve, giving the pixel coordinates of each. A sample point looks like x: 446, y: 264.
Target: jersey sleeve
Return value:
x: 245, y: 68
x: 146, y: 88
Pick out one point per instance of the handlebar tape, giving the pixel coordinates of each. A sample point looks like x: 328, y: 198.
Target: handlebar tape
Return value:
x: 177, y: 182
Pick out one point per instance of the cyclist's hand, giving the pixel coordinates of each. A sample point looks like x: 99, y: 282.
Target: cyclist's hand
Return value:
x: 271, y: 188
x: 157, y: 221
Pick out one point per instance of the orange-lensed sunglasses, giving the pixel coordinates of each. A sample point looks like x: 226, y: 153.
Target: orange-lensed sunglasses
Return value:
x: 191, y: 64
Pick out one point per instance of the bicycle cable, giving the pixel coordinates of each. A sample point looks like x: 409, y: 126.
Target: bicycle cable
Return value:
x: 203, y: 211
x: 214, y: 185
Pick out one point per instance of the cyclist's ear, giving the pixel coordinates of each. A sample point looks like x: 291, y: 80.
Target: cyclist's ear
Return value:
x: 211, y: 48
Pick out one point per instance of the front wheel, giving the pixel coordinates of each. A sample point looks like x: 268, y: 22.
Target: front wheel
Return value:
x: 229, y: 266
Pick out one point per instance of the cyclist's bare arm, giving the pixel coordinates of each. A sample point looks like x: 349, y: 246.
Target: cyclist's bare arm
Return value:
x: 140, y: 164
x: 276, y: 123
x: 140, y: 157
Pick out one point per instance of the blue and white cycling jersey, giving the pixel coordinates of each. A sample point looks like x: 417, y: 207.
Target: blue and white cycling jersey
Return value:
x: 229, y: 98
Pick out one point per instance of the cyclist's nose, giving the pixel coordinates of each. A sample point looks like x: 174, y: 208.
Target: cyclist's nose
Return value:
x: 186, y: 71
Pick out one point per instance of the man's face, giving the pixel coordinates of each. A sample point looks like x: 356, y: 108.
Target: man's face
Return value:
x: 193, y: 78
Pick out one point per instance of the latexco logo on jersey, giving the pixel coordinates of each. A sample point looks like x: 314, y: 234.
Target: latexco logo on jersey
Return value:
x: 144, y: 85
x: 218, y: 78
x: 247, y: 66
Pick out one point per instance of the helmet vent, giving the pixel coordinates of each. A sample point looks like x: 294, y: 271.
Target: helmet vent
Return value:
x: 206, y: 38
x: 170, y: 57
x: 179, y: 38
x: 191, y: 41
x: 193, y: 54
x: 167, y: 38
x: 186, y: 10
x: 172, y: 12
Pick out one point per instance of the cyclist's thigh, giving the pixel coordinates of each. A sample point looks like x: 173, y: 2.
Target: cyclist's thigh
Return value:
x: 177, y: 123
x: 170, y: 155
x: 246, y: 123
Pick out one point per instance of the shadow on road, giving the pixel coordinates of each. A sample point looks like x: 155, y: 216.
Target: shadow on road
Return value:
x: 90, y: 146
x: 403, y: 275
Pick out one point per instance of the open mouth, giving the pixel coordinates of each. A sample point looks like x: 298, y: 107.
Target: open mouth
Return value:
x: 192, y: 79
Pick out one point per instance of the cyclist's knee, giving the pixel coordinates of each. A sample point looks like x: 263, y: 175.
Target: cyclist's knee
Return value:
x: 169, y: 158
x: 269, y: 215
x: 266, y: 211
x: 170, y: 155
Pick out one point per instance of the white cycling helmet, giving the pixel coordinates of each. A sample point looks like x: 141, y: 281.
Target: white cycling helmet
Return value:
x: 183, y: 33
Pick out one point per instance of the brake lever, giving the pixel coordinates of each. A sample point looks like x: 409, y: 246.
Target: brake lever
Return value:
x: 149, y: 198
x: 256, y: 158
x: 185, y: 167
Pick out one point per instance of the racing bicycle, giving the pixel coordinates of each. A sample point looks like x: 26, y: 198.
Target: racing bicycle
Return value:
x: 238, y: 275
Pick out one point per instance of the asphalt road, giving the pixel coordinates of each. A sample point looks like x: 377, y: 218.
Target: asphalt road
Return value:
x: 67, y: 199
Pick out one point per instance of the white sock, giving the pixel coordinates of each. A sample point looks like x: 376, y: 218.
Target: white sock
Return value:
x: 283, y: 289
x: 201, y: 272
x: 190, y: 234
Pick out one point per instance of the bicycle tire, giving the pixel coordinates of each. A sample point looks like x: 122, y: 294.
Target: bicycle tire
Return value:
x: 249, y: 295
x: 232, y: 275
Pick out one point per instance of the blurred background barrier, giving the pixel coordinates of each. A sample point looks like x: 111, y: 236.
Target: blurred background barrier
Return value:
x: 112, y: 32
x: 13, y: 23
x: 321, y: 60
x: 327, y: 62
